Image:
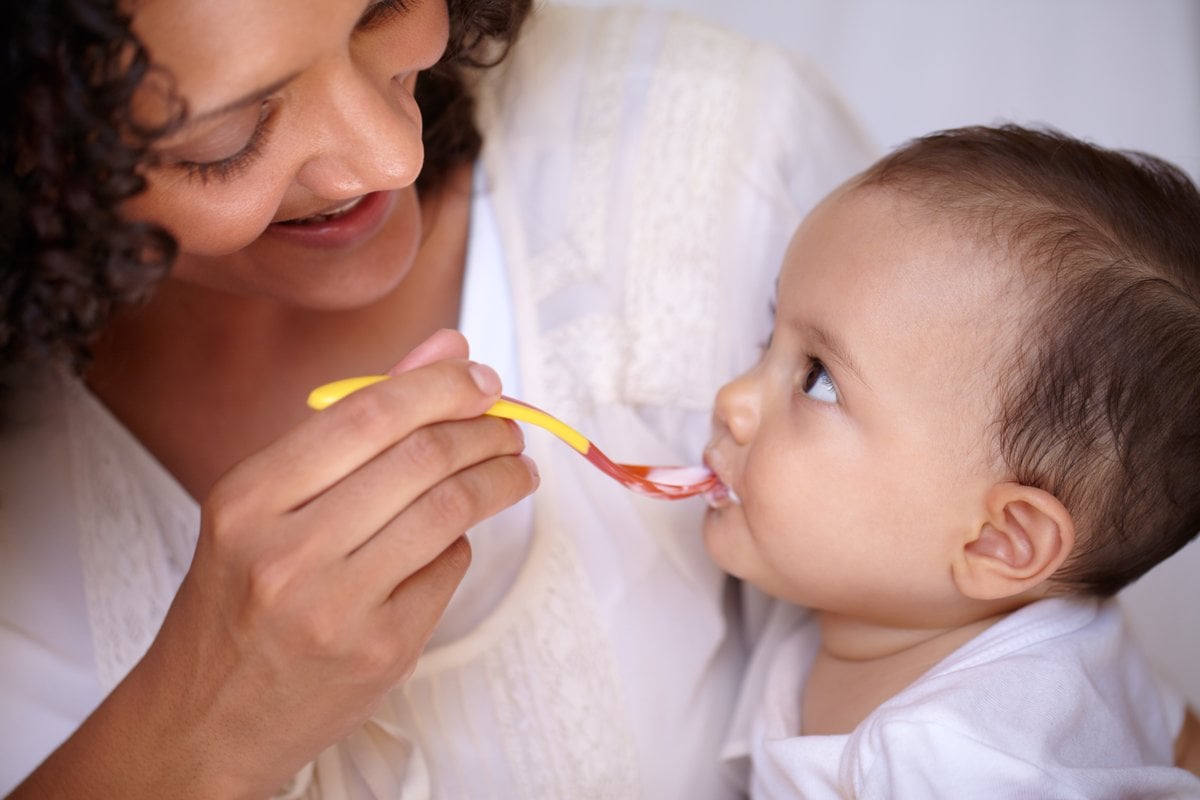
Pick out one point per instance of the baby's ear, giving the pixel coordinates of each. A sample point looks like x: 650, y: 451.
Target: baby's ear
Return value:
x: 1023, y: 538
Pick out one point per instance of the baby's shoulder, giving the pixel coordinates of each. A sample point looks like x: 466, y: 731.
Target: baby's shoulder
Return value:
x: 1058, y: 686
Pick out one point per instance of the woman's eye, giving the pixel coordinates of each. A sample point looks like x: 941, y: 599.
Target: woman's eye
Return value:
x: 381, y: 11
x: 818, y: 384
x: 228, y: 151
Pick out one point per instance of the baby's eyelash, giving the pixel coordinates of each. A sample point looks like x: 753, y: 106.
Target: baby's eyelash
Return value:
x: 226, y: 168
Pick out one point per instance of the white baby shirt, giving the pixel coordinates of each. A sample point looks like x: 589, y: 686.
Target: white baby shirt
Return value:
x: 1054, y: 701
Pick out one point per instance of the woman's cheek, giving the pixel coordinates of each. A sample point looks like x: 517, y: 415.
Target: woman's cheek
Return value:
x: 206, y: 220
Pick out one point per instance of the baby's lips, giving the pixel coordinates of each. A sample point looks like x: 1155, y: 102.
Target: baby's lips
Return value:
x: 721, y: 496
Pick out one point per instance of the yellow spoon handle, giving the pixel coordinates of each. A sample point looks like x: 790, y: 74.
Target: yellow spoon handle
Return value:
x: 330, y: 393
x: 514, y: 409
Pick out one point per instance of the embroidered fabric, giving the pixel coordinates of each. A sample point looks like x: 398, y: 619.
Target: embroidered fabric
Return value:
x: 543, y: 687
x: 672, y: 316
x: 136, y: 537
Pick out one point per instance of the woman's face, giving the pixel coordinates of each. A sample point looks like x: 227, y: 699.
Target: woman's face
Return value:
x: 292, y: 178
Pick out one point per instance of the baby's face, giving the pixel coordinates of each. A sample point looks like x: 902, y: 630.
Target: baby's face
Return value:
x: 858, y: 448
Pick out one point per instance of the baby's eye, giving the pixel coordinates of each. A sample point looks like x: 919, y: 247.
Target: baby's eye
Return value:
x: 818, y: 384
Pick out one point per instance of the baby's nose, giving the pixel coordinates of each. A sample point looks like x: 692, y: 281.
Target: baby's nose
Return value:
x: 736, y: 408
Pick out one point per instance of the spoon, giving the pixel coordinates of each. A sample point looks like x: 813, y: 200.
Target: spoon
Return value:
x: 664, y: 483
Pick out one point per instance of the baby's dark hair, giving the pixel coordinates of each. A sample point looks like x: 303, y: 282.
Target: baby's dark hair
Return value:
x: 71, y: 152
x: 1100, y: 405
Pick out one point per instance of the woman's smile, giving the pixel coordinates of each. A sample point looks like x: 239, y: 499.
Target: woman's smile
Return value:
x: 347, y: 224
x: 322, y: 216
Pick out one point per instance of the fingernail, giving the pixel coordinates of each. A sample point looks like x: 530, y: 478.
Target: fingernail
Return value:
x: 533, y: 467
x: 517, y: 428
x: 485, y: 378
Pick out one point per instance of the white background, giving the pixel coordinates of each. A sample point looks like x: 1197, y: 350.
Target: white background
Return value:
x: 1121, y: 73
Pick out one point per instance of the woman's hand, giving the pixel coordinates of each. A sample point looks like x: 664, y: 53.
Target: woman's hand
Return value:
x: 323, y: 564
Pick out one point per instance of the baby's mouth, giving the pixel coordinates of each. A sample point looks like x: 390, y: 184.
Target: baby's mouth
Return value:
x: 326, y: 216
x: 721, y: 496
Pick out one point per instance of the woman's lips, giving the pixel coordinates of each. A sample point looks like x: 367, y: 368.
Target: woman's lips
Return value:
x: 340, y: 210
x: 345, y: 225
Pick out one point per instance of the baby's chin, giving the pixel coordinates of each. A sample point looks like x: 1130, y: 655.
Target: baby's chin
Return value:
x: 722, y: 530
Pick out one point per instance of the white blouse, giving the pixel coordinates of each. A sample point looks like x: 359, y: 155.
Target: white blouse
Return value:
x: 499, y: 543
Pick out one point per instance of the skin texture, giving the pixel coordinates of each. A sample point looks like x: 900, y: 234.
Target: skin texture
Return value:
x: 330, y: 542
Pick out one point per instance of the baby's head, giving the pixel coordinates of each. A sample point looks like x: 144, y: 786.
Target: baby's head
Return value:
x: 983, y: 385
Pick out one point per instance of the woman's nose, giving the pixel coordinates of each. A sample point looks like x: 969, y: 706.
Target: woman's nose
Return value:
x: 366, y: 135
x: 737, y: 407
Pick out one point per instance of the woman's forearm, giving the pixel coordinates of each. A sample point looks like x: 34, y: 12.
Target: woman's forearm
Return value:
x: 129, y: 748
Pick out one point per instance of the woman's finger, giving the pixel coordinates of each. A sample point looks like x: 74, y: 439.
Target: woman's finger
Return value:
x: 335, y: 442
x: 369, y: 498
x: 455, y: 504
x: 415, y: 607
x: 441, y: 345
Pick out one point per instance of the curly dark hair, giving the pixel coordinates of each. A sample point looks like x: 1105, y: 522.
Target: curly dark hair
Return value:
x: 72, y: 152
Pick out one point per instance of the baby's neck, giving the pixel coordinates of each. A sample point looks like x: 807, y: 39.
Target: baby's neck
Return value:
x: 861, y: 664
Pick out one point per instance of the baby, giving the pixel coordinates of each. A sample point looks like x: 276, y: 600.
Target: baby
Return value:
x: 978, y: 417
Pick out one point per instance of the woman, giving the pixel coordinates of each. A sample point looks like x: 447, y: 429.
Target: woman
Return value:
x: 206, y: 589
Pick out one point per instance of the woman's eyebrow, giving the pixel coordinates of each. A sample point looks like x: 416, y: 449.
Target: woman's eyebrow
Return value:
x: 250, y: 98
